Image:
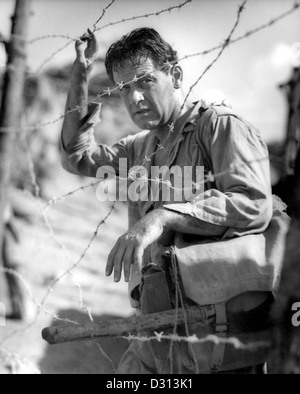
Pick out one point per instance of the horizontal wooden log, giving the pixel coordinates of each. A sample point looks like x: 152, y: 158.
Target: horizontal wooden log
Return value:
x: 120, y: 327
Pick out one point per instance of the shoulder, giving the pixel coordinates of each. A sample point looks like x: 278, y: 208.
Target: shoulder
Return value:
x: 133, y: 139
x: 136, y: 144
x: 215, y: 119
x: 141, y: 136
x: 212, y: 113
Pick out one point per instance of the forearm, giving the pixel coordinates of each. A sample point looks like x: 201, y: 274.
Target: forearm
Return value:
x: 77, y: 103
x: 157, y: 225
x: 186, y: 224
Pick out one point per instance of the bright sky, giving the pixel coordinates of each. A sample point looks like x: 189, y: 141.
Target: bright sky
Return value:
x: 248, y: 73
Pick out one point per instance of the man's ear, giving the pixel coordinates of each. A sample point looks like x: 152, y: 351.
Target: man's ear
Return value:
x: 177, y: 76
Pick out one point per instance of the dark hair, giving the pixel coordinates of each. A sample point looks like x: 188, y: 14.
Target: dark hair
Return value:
x: 139, y: 44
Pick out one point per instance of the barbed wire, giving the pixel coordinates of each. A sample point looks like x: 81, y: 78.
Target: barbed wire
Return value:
x: 192, y: 339
x: 223, y: 48
x: 54, y: 54
x: 41, y: 305
x: 249, y: 33
x: 27, y: 288
x: 51, y: 232
x: 71, y: 40
x: 102, y: 15
x: 75, y: 265
x: 103, y: 353
x: 208, y: 178
x: 112, y: 24
x: 109, y: 91
x: 195, y: 340
x: 56, y: 200
x: 37, y: 199
x: 179, y: 297
x: 158, y: 13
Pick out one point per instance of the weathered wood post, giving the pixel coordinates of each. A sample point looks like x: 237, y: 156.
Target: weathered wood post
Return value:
x: 12, y: 99
x: 10, y: 112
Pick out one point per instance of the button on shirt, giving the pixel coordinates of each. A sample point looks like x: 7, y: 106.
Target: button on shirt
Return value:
x: 236, y: 198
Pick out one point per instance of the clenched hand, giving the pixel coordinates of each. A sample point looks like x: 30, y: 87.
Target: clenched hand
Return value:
x: 86, y: 50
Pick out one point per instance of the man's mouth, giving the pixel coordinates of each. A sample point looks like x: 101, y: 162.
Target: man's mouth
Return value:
x: 143, y: 112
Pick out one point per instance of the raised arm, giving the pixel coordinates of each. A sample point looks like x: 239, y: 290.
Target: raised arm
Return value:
x: 86, y: 52
x: 80, y: 153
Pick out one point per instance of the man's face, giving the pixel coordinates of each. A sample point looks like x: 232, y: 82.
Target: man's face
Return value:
x: 151, y: 100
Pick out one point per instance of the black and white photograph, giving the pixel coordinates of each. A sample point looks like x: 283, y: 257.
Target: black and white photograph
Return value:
x: 149, y: 189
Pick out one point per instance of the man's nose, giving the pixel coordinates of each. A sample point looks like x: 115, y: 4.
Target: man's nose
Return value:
x: 136, y: 96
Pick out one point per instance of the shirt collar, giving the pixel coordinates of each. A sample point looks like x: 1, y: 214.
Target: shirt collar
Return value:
x: 190, y: 124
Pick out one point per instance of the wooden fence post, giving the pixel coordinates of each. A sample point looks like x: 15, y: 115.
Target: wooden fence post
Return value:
x: 12, y: 100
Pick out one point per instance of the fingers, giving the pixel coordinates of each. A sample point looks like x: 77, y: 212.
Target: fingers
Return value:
x: 121, y: 258
x: 80, y: 48
x: 115, y: 261
x: 110, y: 261
x: 128, y: 261
x: 118, y: 264
x: 92, y: 45
x: 138, y: 256
x: 87, y: 36
x: 87, y: 46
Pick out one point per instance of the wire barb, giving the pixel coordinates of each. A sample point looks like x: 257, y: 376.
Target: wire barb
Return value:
x: 102, y: 16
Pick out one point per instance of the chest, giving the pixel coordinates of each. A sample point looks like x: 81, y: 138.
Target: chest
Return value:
x: 184, y: 167
x: 182, y: 151
x: 162, y: 156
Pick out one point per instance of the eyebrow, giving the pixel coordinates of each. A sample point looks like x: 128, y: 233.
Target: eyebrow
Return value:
x: 140, y: 76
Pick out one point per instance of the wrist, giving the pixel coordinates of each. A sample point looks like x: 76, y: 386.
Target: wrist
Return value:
x: 166, y: 218
x: 80, y: 71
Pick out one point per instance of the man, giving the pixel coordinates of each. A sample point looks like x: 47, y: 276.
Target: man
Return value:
x: 145, y: 68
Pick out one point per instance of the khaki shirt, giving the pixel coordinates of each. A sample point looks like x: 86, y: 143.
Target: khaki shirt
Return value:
x: 238, y: 200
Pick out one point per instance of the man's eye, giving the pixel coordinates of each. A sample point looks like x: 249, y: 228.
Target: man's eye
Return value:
x: 124, y: 88
x: 146, y: 82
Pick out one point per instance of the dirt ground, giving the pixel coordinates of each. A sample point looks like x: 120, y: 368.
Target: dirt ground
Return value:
x: 43, y: 258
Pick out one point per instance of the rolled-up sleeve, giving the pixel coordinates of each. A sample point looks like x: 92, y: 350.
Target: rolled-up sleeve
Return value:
x: 83, y: 156
x: 241, y: 198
